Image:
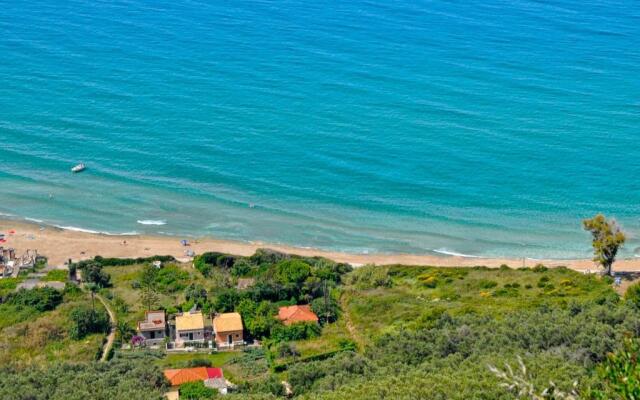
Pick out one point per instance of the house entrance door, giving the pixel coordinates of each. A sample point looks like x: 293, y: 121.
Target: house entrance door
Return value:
x: 230, y: 339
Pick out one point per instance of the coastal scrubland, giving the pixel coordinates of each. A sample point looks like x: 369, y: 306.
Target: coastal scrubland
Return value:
x: 395, y: 331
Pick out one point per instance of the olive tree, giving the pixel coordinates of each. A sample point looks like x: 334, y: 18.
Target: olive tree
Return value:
x: 607, y: 238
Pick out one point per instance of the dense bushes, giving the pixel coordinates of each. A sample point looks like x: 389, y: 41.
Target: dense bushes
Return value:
x: 340, y: 369
x: 299, y: 331
x: 632, y: 295
x: 290, y: 281
x: 118, y: 379
x: 85, y: 321
x: 258, y: 318
x: 206, y: 262
x: 92, y: 273
x: 168, y: 279
x: 370, y: 277
x: 620, y: 373
x: 197, y: 391
x: 40, y: 299
x: 559, y: 343
x: 120, y: 262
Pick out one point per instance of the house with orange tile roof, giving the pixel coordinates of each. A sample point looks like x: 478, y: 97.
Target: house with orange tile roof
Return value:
x: 295, y: 314
x: 228, y: 330
x: 190, y: 327
x: 211, y: 377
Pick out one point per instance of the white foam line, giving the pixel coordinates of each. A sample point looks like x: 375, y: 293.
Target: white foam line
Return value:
x: 151, y: 222
x: 455, y: 254
x: 83, y: 230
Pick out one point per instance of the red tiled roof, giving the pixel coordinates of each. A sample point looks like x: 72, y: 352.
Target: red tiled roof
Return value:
x: 214, y: 373
x: 293, y: 314
x: 178, y: 377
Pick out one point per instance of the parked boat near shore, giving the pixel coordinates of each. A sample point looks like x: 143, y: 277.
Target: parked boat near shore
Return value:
x: 78, y: 168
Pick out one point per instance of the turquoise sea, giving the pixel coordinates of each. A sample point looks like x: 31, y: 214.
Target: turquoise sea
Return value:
x: 474, y: 127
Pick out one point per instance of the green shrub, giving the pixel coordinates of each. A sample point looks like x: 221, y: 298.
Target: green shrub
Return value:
x: 299, y: 331
x: 85, y: 321
x: 171, y: 279
x: 370, y: 277
x: 632, y: 295
x: 268, y: 256
x: 292, y: 271
x: 206, y: 262
x: 242, y: 267
x: 198, y: 362
x: 197, y: 391
x: 92, y: 273
x: 542, y: 282
x: 327, y: 310
x: 429, y: 280
x: 621, y: 373
x: 40, y: 299
x: 539, y: 268
x: 487, y: 284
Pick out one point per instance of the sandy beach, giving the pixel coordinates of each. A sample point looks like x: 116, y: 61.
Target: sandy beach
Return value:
x: 59, y: 245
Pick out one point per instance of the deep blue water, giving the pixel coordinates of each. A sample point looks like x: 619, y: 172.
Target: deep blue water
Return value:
x: 477, y: 127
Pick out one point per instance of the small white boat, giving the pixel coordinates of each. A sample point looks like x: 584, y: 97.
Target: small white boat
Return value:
x: 78, y: 168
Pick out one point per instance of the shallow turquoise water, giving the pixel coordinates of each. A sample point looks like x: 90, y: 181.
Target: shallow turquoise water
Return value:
x: 483, y: 128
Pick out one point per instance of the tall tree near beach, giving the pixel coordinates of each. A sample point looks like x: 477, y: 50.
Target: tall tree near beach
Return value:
x: 149, y: 298
x: 93, y: 289
x: 608, y: 238
x: 149, y: 294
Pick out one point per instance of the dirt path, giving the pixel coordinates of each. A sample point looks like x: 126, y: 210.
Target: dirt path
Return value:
x: 112, y: 334
x: 353, y: 332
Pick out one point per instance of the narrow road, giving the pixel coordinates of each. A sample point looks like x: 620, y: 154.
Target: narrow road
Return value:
x: 112, y: 334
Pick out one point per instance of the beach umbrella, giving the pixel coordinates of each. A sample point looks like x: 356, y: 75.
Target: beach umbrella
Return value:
x: 183, y: 242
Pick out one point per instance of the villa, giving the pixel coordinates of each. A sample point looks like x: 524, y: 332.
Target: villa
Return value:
x: 295, y: 314
x: 153, y: 328
x: 190, y: 327
x: 228, y: 330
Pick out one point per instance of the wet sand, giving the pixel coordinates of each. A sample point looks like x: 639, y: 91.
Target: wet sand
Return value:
x: 59, y: 245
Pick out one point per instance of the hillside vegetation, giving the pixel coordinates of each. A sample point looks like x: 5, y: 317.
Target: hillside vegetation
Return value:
x: 386, y: 332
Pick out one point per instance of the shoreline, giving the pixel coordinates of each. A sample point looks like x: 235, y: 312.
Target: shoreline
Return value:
x: 60, y: 244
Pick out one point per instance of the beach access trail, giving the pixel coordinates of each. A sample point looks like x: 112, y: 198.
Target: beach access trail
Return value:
x: 112, y: 332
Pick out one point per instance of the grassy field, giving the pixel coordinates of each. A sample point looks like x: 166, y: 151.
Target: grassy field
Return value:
x: 60, y: 275
x: 42, y: 338
x: 419, y: 294
x: 8, y: 285
x: 183, y: 360
x: 124, y: 292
